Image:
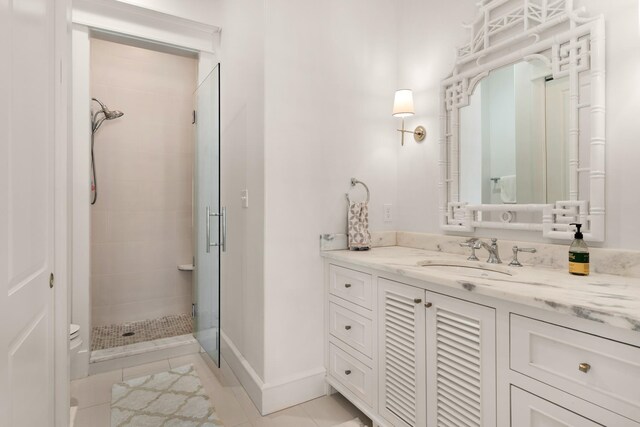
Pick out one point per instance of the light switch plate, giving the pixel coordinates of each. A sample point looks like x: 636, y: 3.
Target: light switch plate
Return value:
x: 244, y: 196
x: 387, y: 215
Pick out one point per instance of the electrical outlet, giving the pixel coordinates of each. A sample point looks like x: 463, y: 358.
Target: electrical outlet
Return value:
x: 387, y: 216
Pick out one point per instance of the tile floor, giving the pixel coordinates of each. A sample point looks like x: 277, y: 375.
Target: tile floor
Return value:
x: 233, y: 405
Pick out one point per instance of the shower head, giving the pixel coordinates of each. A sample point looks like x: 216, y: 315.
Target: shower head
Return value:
x: 110, y: 115
x: 107, y: 115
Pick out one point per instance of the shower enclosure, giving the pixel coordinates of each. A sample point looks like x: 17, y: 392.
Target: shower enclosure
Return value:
x: 157, y: 229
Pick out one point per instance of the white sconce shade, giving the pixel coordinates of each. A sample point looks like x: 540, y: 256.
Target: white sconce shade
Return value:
x: 403, y: 103
x: 403, y: 107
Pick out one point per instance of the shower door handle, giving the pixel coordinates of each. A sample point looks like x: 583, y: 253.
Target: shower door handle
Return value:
x: 223, y: 239
x: 223, y: 232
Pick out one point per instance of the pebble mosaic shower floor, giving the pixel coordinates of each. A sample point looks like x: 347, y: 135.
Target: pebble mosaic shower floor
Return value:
x: 110, y: 336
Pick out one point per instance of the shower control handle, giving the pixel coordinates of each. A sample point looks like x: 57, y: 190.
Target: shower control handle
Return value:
x: 223, y: 234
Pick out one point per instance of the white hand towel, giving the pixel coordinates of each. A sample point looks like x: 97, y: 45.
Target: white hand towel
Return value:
x: 358, y: 226
x: 508, y: 189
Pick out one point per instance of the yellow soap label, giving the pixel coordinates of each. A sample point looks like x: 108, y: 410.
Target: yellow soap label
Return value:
x: 579, y: 268
x: 579, y: 263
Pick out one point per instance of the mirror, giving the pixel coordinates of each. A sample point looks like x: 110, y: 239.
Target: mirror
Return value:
x: 522, y: 123
x: 513, y: 137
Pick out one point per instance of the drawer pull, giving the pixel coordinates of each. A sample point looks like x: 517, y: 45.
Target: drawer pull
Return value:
x: 417, y: 300
x: 347, y: 285
x: 584, y: 367
x: 347, y: 327
x: 428, y: 304
x: 347, y: 372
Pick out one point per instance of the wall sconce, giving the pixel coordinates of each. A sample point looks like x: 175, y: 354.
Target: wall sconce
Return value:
x: 403, y: 107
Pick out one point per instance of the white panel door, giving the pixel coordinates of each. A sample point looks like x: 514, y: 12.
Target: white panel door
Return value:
x: 402, y: 363
x: 27, y: 108
x: 461, y: 355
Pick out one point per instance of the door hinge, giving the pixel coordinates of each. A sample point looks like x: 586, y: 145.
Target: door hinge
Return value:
x: 193, y: 122
x: 52, y: 280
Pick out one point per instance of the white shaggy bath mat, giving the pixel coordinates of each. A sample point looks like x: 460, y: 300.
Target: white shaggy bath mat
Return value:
x: 174, y: 398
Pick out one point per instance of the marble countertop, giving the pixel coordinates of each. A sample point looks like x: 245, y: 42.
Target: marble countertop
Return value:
x: 603, y: 298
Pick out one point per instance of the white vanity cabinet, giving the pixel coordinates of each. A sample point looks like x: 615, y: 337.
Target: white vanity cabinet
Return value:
x: 434, y: 361
x: 437, y: 358
x: 350, y: 335
x: 402, y: 367
x: 419, y: 354
x: 461, y: 362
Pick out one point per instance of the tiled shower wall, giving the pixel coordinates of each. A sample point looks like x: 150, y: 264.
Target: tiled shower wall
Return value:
x: 141, y: 223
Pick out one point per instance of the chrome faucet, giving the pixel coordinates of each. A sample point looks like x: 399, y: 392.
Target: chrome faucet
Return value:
x: 494, y: 256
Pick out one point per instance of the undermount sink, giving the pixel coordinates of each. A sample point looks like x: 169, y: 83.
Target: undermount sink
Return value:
x: 468, y: 268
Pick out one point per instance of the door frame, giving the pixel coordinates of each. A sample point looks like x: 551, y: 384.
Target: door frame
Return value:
x: 138, y: 26
x: 62, y: 260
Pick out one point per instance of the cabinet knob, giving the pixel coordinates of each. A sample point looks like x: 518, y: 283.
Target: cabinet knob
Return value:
x: 347, y: 327
x: 428, y: 304
x: 347, y: 285
x: 417, y: 300
x: 347, y: 372
x: 584, y: 367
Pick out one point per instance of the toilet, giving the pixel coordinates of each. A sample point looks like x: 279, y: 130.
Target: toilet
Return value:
x: 75, y: 342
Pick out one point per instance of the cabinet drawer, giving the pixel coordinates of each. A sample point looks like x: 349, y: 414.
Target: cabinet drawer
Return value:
x: 528, y: 410
x: 595, y: 369
x: 351, y: 285
x: 352, y: 373
x: 351, y: 328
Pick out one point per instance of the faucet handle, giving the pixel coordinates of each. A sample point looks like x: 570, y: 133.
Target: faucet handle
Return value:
x: 514, y: 262
x: 473, y: 243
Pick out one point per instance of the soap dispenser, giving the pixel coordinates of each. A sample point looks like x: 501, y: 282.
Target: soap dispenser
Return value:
x: 579, y: 254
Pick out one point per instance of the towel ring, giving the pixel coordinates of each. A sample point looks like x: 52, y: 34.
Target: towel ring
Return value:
x: 354, y: 182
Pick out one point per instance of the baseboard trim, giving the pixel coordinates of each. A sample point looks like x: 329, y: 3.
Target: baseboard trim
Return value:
x: 245, y: 373
x: 293, y: 391
x: 272, y: 397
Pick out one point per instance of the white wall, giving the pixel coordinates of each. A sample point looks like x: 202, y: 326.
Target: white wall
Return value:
x: 329, y: 82
x: 318, y: 80
x: 242, y: 141
x: 430, y: 31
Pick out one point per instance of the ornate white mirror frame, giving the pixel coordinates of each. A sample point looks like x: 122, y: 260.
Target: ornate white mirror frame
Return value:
x: 554, y: 32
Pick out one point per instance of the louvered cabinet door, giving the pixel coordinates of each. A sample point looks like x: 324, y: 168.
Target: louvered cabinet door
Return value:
x: 402, y: 370
x: 461, y: 369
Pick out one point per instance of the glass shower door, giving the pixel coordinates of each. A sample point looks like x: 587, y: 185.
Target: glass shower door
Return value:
x: 209, y: 216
